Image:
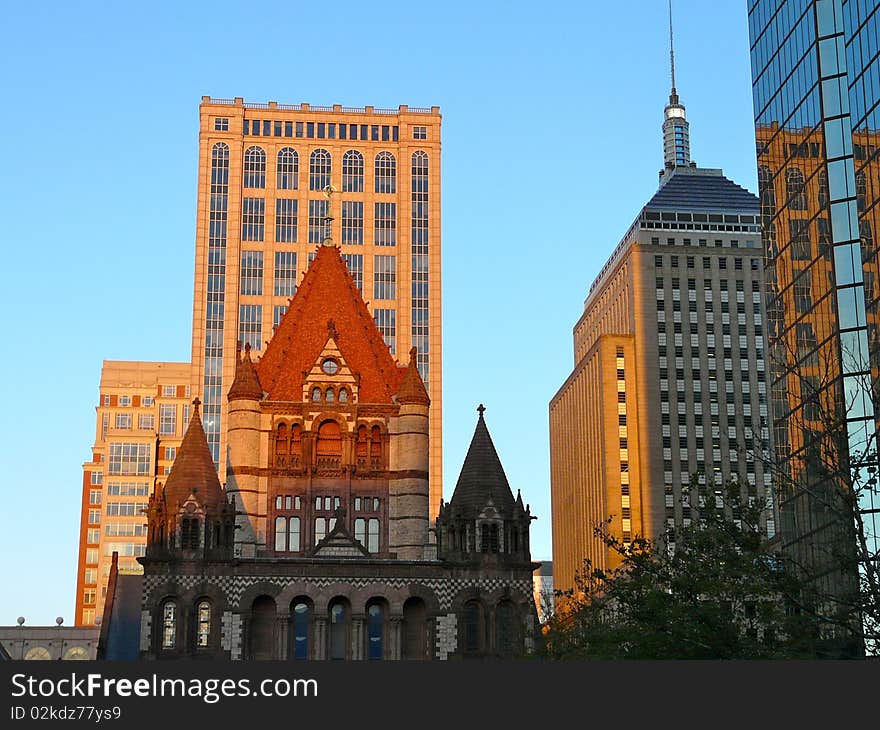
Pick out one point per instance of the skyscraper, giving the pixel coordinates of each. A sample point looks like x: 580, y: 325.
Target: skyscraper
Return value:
x: 668, y: 384
x: 263, y: 172
x: 814, y: 71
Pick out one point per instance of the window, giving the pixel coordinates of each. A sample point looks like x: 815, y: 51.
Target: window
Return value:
x: 373, y: 536
x: 146, y: 422
x: 169, y: 625
x: 167, y: 419
x: 795, y: 189
x: 221, y: 124
x: 250, y: 325
x: 294, y: 534
x: 280, y: 534
x: 123, y: 420
x: 278, y: 311
x: 473, y: 627
x: 93, y: 536
x: 189, y: 533
x: 386, y: 173
x: 316, y: 395
x: 355, y: 264
x: 94, y: 517
x: 253, y: 219
x: 286, y: 220
x: 385, y: 320
x: 251, y: 278
x: 254, y: 167
x: 92, y: 556
x: 384, y: 277
x: 338, y: 633
x: 203, y: 634
x: 319, y: 169
x: 94, y: 496
x: 420, y: 132
x: 317, y: 214
x: 352, y: 222
x: 385, y: 224
x: 285, y: 274
x: 169, y: 391
x: 375, y: 631
x: 352, y: 172
x: 301, y: 620
x: 287, y: 169
x: 129, y: 458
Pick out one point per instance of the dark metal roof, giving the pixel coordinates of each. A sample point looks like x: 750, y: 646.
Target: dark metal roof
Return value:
x: 482, y: 477
x: 701, y: 189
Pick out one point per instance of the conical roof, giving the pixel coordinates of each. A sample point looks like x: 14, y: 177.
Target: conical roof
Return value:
x: 246, y: 384
x: 328, y: 294
x: 193, y: 471
x: 482, y: 477
x: 412, y: 387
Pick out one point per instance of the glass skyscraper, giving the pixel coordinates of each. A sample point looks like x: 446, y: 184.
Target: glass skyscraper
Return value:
x: 816, y: 83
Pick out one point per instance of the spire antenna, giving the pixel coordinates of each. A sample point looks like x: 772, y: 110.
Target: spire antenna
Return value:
x: 676, y: 134
x: 671, y: 50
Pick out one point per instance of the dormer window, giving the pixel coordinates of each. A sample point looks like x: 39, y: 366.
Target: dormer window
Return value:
x: 330, y: 366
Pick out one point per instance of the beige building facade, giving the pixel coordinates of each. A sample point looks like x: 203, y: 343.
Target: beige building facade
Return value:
x: 264, y: 172
x: 143, y: 409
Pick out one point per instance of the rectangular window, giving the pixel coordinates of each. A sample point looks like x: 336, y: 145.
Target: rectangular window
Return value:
x: 285, y: 274
x: 355, y: 264
x: 127, y: 489
x: 288, y: 129
x: 384, y: 277
x: 167, y: 419
x: 129, y: 458
x: 146, y: 422
x: 352, y: 222
x: 251, y: 279
x: 278, y: 311
x: 123, y: 420
x: 385, y: 320
x: 317, y: 213
x: 97, y: 477
x: 92, y: 556
x: 253, y: 219
x: 125, y: 509
x: 125, y: 529
x: 385, y: 224
x: 250, y: 325
x: 221, y: 124
x: 91, y: 577
x: 285, y: 220
x: 125, y: 401
x: 169, y: 391
x: 93, y: 536
x: 94, y: 517
x: 420, y: 132
x: 94, y: 496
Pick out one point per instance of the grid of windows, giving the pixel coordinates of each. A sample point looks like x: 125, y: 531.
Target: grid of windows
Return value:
x: 317, y: 213
x: 254, y: 167
x: 287, y: 169
x: 167, y: 419
x: 321, y: 130
x: 384, y: 277
x: 386, y: 323
x: 419, y: 239
x: 319, y: 169
x: 128, y: 489
x: 253, y: 219
x: 386, y: 173
x: 385, y: 224
x: 251, y: 277
x: 285, y: 274
x: 129, y: 458
x: 352, y: 172
x: 286, y: 211
x: 352, y: 222
x: 250, y: 325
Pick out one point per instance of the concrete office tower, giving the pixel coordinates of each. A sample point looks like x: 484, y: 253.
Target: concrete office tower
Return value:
x: 668, y: 384
x: 143, y: 409
x: 816, y: 122
x: 263, y: 172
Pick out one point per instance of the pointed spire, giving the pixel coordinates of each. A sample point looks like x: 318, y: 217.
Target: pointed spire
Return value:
x: 193, y: 471
x: 482, y: 477
x: 246, y: 385
x: 676, y: 132
x: 412, y: 387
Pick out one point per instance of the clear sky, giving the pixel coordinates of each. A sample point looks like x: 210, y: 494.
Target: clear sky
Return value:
x: 551, y: 144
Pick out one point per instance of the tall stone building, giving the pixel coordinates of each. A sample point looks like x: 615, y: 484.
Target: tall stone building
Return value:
x: 814, y: 70
x: 668, y: 385
x: 320, y: 545
x: 263, y: 170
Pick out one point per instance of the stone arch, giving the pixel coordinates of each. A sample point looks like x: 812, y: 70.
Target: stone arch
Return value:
x: 263, y: 587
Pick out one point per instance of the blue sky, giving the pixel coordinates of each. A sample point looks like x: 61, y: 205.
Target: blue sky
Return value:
x: 551, y: 143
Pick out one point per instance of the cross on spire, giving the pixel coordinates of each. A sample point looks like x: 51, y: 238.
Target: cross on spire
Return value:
x: 481, y: 409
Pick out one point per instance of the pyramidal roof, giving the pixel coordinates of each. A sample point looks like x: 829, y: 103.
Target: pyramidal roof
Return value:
x: 193, y: 470
x: 482, y: 477
x: 701, y: 189
x: 246, y: 384
x: 328, y: 295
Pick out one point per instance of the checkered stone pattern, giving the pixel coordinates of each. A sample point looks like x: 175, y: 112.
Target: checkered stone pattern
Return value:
x: 146, y: 626
x: 447, y: 636
x: 444, y: 588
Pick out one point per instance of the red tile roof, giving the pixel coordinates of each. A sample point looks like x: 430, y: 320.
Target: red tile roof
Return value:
x: 328, y: 299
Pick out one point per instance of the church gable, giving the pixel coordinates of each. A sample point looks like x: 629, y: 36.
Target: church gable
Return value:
x: 330, y: 379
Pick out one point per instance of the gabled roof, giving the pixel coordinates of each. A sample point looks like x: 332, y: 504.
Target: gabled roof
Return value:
x: 326, y: 299
x: 482, y: 477
x: 193, y: 470
x: 701, y: 189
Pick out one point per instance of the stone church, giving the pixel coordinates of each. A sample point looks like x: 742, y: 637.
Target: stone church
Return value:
x: 320, y: 544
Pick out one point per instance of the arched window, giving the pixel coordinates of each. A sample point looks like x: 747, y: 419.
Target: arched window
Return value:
x: 507, y: 635
x: 337, y: 635
x: 280, y: 534
x: 373, y: 536
x: 343, y: 395
x: 861, y: 190
x: 386, y: 173
x: 169, y: 625
x: 375, y: 631
x: 316, y: 395
x: 415, y: 634
x: 360, y: 531
x: 329, y: 439
x: 296, y: 439
x: 203, y: 624
x: 189, y: 533
x: 262, y: 628
x: 489, y: 538
x: 352, y: 172
x: 329, y: 395
x: 319, y: 169
x: 301, y: 619
x: 254, y: 167
x: 376, y: 442
x: 294, y: 535
x: 474, y: 630
x: 795, y: 189
x: 363, y: 442
x: 281, y: 445
x: 766, y: 190
x: 287, y: 169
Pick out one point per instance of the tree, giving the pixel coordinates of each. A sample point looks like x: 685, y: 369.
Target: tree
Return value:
x: 720, y: 593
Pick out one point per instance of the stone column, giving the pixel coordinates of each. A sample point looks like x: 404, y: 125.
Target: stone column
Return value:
x: 357, y: 638
x: 395, y: 638
x: 319, y: 650
x: 281, y: 623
